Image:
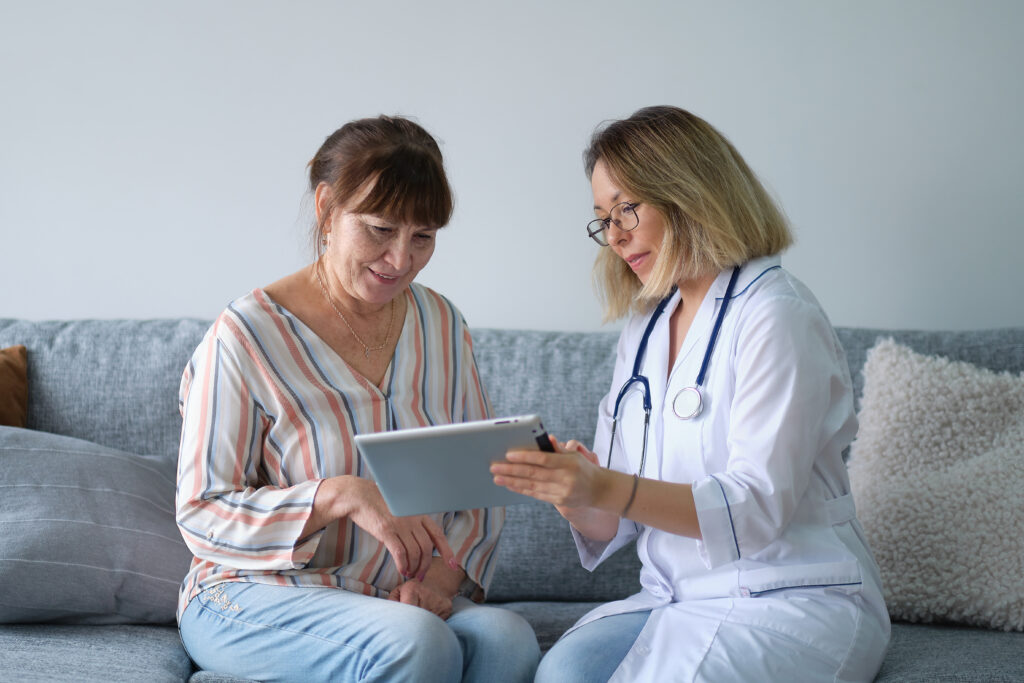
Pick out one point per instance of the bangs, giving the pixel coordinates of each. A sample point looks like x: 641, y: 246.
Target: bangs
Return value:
x: 409, y: 187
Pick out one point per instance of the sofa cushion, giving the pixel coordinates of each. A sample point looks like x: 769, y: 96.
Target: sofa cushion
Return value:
x: 550, y: 619
x: 87, y: 533
x: 92, y: 654
x: 13, y: 386
x: 996, y: 349
x: 933, y: 654
x: 537, y: 560
x: 937, y: 470
x: 112, y: 382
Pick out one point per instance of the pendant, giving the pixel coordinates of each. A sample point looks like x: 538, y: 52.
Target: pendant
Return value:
x: 688, y: 403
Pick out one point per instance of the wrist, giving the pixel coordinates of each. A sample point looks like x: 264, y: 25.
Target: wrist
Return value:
x: 617, y: 491
x: 444, y: 580
x: 344, y: 494
x: 632, y: 496
x: 324, y: 508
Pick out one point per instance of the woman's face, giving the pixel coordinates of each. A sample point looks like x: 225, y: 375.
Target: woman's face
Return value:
x: 639, y: 247
x: 374, y: 259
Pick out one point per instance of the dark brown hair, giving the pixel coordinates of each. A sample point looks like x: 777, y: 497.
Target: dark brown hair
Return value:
x: 399, y: 158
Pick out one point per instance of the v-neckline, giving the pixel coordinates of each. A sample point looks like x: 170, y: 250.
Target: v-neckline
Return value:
x: 697, y: 330
x: 310, y: 333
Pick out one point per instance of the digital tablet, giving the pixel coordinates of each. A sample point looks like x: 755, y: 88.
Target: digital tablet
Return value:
x: 437, y: 469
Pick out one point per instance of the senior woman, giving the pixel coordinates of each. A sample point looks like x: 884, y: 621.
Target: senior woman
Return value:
x: 719, y: 447
x: 301, y: 572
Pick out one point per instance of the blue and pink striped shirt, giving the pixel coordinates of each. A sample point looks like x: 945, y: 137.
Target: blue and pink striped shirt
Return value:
x: 270, y: 410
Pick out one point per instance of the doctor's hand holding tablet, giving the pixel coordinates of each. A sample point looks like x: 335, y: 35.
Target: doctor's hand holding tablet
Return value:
x: 590, y: 497
x: 718, y: 449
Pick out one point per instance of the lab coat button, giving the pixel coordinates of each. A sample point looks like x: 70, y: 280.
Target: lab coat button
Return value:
x: 209, y: 534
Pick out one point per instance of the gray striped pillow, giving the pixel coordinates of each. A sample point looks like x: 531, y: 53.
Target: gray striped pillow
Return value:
x: 87, y: 533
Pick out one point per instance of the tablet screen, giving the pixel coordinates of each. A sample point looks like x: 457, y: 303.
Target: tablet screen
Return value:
x: 447, y: 467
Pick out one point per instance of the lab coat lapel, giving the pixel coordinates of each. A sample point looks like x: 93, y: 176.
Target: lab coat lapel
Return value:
x: 691, y: 355
x: 684, y: 372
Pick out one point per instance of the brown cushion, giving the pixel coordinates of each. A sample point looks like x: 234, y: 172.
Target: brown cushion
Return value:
x: 13, y: 386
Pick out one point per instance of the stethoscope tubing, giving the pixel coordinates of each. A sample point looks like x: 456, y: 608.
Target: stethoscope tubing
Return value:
x: 637, y: 378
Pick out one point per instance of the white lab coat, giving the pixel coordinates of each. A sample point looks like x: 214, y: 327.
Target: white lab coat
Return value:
x: 781, y: 547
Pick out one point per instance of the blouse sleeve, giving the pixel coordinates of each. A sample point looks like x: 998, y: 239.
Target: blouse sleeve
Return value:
x: 473, y: 534
x: 793, y: 401
x: 225, y: 514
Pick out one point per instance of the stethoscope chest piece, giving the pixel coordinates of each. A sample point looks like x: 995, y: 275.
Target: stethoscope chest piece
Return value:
x: 687, y: 404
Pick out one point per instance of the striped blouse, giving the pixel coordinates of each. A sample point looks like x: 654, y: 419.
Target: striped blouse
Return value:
x: 270, y: 410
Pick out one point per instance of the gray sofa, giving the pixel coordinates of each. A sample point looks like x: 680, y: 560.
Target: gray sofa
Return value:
x: 114, y: 383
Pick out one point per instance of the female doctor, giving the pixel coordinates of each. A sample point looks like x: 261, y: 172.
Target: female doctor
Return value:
x: 719, y: 449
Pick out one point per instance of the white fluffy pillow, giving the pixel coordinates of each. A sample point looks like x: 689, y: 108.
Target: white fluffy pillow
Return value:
x: 938, y: 475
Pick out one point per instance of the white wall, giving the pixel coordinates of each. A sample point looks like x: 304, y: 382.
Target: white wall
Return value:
x: 152, y: 153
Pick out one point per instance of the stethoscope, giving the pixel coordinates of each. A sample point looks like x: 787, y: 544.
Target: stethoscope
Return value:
x: 688, y: 402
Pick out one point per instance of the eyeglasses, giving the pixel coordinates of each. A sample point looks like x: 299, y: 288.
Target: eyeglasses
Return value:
x: 623, y: 215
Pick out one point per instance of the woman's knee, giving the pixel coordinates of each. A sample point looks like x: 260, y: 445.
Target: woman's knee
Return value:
x: 559, y: 665
x: 496, y: 640
x: 593, y: 651
x: 353, y: 637
x: 494, y: 624
x: 564, y: 663
x: 518, y: 641
x: 423, y: 648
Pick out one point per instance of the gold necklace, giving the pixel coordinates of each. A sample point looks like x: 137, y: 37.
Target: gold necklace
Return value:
x: 366, y: 349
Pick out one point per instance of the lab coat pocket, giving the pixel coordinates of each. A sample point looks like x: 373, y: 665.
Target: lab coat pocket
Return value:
x: 844, y: 576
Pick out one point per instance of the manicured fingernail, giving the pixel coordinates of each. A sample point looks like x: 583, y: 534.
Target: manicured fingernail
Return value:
x: 453, y: 564
x: 420, y: 577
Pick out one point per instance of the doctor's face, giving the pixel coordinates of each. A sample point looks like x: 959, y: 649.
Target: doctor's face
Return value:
x: 638, y: 247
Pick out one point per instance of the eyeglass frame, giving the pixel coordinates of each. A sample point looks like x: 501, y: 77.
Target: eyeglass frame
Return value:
x: 598, y: 234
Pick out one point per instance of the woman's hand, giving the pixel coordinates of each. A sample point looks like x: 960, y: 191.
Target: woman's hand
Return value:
x: 416, y: 593
x: 569, y: 478
x: 434, y: 592
x: 410, y: 540
x: 593, y: 498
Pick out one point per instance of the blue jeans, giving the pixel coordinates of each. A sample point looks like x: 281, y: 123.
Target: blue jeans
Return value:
x: 593, y: 652
x: 288, y: 633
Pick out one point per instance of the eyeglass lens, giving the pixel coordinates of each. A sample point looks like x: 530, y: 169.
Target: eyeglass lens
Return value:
x: 624, y: 217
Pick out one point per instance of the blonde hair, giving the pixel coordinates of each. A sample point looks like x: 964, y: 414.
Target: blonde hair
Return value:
x: 717, y: 213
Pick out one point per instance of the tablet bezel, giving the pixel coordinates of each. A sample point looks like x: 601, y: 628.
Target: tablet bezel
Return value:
x: 444, y: 468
